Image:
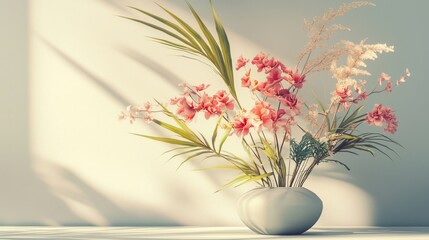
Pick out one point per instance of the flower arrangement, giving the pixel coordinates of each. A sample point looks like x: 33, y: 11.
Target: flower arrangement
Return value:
x: 275, y: 158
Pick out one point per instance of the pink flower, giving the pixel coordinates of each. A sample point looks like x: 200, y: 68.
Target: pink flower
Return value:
x: 147, y: 106
x: 376, y: 116
x: 241, y: 125
x: 392, y: 126
x: 389, y: 86
x: 134, y: 112
x: 274, y: 76
x: 263, y: 115
x: 201, y: 87
x: 362, y: 96
x: 185, y: 107
x: 269, y: 90
x: 344, y: 93
x: 245, y: 80
x: 224, y: 100
x: 296, y: 79
x: 290, y: 100
x: 262, y: 62
x: 124, y: 116
x: 383, y: 77
x: 259, y: 61
x: 241, y: 62
x: 379, y: 115
x: 210, y: 105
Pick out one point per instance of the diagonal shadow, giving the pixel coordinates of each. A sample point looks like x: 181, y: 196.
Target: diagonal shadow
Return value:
x: 115, y: 5
x: 96, y: 79
x: 89, y: 196
x: 164, y: 72
x: 118, y: 97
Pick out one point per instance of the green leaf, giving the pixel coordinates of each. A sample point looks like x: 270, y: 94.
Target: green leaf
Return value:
x: 190, y: 42
x: 159, y: 29
x: 177, y: 130
x: 225, y: 136
x: 336, y: 161
x: 268, y: 150
x: 226, y: 52
x: 176, y: 46
x: 255, y: 178
x: 236, y: 180
x: 210, y: 39
x: 181, y: 124
x: 214, y: 135
x: 218, y: 167
x: 185, y: 152
x: 167, y: 140
x: 192, y: 156
x: 325, y: 114
x: 192, y: 33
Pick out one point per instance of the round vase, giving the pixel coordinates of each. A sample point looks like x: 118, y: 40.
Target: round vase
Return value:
x: 279, y: 211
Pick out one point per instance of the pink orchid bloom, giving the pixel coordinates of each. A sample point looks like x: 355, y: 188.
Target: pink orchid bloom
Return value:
x: 241, y: 125
x: 290, y: 100
x: 185, y: 107
x: 376, y: 116
x: 379, y: 115
x: 245, y: 80
x: 296, y: 79
x: 274, y: 76
x: 343, y: 92
x: 210, y: 105
x: 259, y: 61
x: 241, y: 62
x: 362, y: 96
x: 224, y: 100
x: 263, y: 114
x: 389, y: 86
x: 202, y: 87
x: 269, y: 90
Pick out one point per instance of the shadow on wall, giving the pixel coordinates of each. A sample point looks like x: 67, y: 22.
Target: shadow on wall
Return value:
x: 85, y: 201
x: 19, y: 185
x: 145, y: 61
x: 92, y: 206
x: 26, y: 200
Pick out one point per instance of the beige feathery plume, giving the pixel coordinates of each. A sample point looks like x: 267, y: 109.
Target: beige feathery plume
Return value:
x: 319, y: 30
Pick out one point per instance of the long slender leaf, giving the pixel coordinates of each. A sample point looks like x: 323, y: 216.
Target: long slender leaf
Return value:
x: 218, y: 167
x: 192, y: 32
x: 217, y: 54
x: 191, y: 157
x: 225, y: 136
x: 167, y: 140
x: 174, y: 26
x: 214, y: 135
x: 336, y: 161
x: 226, y: 52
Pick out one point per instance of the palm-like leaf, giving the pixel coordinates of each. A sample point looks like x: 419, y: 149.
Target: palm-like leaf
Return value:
x: 191, y: 42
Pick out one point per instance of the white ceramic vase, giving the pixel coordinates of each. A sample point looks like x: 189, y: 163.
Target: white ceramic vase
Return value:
x: 279, y: 211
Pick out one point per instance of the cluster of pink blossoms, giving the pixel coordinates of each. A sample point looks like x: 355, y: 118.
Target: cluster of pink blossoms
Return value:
x: 354, y: 91
x: 276, y: 76
x: 194, y: 100
x: 379, y: 115
x: 134, y: 112
x: 263, y: 114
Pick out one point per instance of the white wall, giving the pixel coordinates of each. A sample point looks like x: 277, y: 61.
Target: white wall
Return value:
x: 67, y: 160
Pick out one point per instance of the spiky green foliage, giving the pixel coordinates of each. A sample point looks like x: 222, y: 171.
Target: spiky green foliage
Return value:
x: 188, y: 40
x: 191, y: 145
